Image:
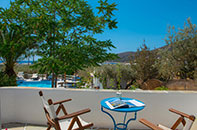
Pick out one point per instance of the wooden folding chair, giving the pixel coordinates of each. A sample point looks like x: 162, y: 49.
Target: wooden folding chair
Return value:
x: 189, y: 124
x: 67, y: 121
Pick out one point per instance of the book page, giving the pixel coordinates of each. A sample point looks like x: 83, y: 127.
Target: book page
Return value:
x: 136, y: 103
x: 115, y: 103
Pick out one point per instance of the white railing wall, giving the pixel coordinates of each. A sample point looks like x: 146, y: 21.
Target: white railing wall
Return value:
x: 24, y: 105
x: 0, y: 113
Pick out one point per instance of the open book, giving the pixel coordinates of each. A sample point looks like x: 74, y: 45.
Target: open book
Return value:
x: 117, y: 103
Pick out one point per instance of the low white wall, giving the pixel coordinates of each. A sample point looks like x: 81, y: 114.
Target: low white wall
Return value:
x: 24, y: 105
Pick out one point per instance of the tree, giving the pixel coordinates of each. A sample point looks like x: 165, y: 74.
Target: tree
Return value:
x: 16, y: 37
x: 116, y: 74
x: 180, y: 57
x: 144, y: 64
x: 68, y: 28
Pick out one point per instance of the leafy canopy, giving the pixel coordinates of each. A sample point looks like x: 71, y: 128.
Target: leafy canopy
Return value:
x: 180, y: 58
x: 67, y: 29
x: 144, y: 64
x: 16, y: 37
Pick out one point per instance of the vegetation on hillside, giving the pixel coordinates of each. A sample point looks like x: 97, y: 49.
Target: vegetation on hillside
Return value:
x: 111, y: 76
x: 177, y: 60
x: 180, y: 58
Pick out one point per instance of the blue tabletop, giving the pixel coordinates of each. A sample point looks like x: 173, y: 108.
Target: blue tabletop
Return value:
x: 129, y: 109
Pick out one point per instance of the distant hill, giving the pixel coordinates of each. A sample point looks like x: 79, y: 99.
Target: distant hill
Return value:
x: 126, y: 56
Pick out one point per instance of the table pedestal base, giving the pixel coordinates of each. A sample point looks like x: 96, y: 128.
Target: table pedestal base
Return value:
x: 120, y: 126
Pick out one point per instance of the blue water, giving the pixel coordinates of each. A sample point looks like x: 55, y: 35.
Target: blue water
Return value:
x: 40, y: 84
x: 22, y: 62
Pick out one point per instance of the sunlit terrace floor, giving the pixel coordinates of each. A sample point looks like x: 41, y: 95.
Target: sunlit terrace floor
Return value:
x: 21, y: 126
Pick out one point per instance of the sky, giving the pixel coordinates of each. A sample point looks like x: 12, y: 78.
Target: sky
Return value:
x: 140, y: 20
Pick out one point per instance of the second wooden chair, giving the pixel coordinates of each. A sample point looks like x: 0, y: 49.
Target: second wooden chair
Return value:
x: 190, y: 124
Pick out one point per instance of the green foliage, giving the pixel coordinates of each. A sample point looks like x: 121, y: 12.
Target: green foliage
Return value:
x: 16, y: 38
x: 79, y: 84
x: 136, y: 84
x: 67, y: 30
x: 161, y: 88
x: 132, y: 87
x: 180, y: 58
x: 26, y: 69
x: 111, y: 76
x: 6, y: 80
x: 85, y: 75
x: 22, y: 68
x: 144, y: 64
x: 115, y: 75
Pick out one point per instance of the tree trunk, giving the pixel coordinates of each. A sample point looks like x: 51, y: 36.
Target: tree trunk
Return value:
x: 53, y: 78
x: 65, y: 77
x: 9, y: 70
x: 55, y: 81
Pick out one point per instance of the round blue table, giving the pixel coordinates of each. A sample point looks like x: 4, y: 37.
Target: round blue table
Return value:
x: 121, y: 126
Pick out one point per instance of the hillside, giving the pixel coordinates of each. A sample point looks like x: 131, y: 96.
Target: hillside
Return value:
x: 126, y: 56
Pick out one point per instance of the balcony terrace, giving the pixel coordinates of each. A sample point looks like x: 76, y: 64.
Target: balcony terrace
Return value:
x: 23, y: 105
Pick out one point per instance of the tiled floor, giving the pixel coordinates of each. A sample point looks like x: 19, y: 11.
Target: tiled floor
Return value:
x: 21, y: 126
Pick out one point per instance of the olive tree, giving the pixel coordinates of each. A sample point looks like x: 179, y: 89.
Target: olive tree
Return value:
x: 115, y: 75
x: 180, y: 57
x: 144, y: 64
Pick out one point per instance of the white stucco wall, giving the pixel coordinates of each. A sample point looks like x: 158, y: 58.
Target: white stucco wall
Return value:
x: 24, y: 105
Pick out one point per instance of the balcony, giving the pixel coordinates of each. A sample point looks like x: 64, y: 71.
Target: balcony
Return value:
x: 23, y: 105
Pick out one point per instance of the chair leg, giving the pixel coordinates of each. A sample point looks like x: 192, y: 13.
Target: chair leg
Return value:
x: 180, y: 119
x: 49, y: 126
x: 79, y: 124
x: 76, y: 119
x: 63, y: 109
x: 58, y: 110
x: 61, y: 106
x: 71, y: 123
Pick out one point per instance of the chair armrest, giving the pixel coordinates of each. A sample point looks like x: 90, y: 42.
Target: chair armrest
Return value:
x: 74, y: 114
x: 179, y: 113
x: 59, y: 102
x: 149, y: 124
x: 182, y: 114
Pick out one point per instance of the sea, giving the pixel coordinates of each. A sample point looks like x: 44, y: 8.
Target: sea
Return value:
x: 22, y: 62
